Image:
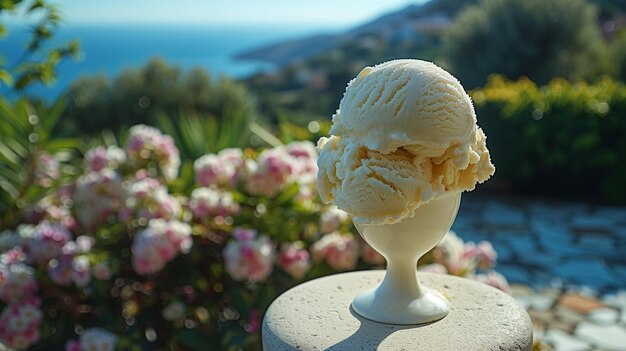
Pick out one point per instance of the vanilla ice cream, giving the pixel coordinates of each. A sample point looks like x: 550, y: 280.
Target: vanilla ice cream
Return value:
x: 405, y: 133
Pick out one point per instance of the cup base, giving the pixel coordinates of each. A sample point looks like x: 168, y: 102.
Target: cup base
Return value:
x: 376, y: 305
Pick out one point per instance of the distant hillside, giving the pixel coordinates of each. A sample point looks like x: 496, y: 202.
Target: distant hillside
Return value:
x: 428, y: 18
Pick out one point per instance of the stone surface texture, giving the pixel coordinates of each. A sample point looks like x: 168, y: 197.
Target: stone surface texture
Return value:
x: 317, y: 316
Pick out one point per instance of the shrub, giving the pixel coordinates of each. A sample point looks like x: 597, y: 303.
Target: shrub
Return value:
x: 140, y: 95
x: 118, y: 258
x: 540, y: 39
x: 560, y: 139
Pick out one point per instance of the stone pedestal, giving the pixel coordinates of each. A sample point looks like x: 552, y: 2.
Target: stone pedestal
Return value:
x: 317, y: 316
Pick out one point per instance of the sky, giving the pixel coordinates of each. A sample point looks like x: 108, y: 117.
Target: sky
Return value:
x: 321, y: 13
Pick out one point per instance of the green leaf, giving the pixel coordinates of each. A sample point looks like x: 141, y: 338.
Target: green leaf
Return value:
x: 8, y: 154
x: 6, y: 77
x: 36, y: 5
x: 58, y: 144
x: 24, y: 80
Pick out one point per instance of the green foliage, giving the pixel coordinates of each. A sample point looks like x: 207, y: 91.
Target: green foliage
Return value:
x: 559, y: 139
x: 198, y: 135
x: 141, y: 95
x: 31, y: 160
x: 39, y: 61
x: 618, y: 47
x: 540, y: 39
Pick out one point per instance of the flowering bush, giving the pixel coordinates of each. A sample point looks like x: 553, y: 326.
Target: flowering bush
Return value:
x: 128, y: 254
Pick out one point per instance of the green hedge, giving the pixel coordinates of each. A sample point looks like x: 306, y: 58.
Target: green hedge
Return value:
x: 561, y: 139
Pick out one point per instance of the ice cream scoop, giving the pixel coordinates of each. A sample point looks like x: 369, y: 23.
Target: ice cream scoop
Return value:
x: 404, y: 134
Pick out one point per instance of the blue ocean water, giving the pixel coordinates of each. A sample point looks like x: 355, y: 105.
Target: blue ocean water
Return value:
x: 108, y: 49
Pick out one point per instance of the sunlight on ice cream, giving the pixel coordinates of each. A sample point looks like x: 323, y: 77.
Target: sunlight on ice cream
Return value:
x: 404, y: 134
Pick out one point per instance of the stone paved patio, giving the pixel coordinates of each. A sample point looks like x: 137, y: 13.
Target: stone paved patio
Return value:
x: 567, y: 263
x: 546, y: 243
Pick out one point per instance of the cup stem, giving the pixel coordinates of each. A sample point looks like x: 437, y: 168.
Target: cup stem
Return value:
x: 401, y: 277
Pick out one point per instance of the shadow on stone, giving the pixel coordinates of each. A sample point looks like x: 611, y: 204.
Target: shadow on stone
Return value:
x: 370, y: 334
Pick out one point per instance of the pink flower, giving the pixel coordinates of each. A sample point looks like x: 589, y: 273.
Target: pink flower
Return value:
x: 294, y: 260
x: 223, y: 169
x: 98, y: 196
x: 55, y: 207
x: 20, y: 324
x: 17, y: 282
x: 244, y: 234
x: 81, y: 271
x: 486, y: 255
x: 331, y: 219
x: 304, y: 159
x: 340, y: 251
x: 146, y: 199
x: 158, y: 244
x: 452, y: 253
x: 371, y: 256
x: 254, y: 321
x: 99, y: 158
x: 248, y: 258
x: 147, y: 147
x: 48, y: 241
x: 93, y: 339
x: 60, y: 270
x: 12, y: 256
x: 462, y: 258
x: 433, y: 268
x: 102, y: 271
x: 72, y: 345
x: 69, y: 269
x: 272, y: 171
x: 46, y: 169
x: 151, y: 251
x: 206, y: 202
x: 494, y: 279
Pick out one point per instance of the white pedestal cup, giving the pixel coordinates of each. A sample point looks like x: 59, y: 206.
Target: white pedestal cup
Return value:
x: 400, y: 298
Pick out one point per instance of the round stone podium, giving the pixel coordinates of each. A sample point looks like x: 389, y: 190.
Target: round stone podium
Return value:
x: 316, y: 315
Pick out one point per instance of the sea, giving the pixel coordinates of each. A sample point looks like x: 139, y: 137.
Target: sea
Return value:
x: 109, y: 49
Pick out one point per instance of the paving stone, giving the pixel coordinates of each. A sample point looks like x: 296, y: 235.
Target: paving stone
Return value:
x: 562, y: 341
x: 564, y: 327
x: 591, y: 272
x: 554, y: 292
x: 523, y: 300
x: 579, y: 303
x: 620, y: 271
x: 610, y: 338
x: 614, y: 214
x: 541, y: 277
x: 502, y: 215
x: 546, y: 212
x: 542, y: 259
x: 569, y: 316
x: 504, y: 252
x: 539, y: 330
x: 517, y: 241
x: 514, y: 273
x: 546, y: 317
x: 604, y: 316
x: 562, y: 248
x: 521, y: 290
x: 591, y: 223
x: 542, y: 302
x: 596, y: 242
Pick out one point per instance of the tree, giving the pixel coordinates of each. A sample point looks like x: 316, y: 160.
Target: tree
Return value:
x: 540, y: 39
x: 39, y: 61
x: 618, y: 47
x: 142, y: 94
